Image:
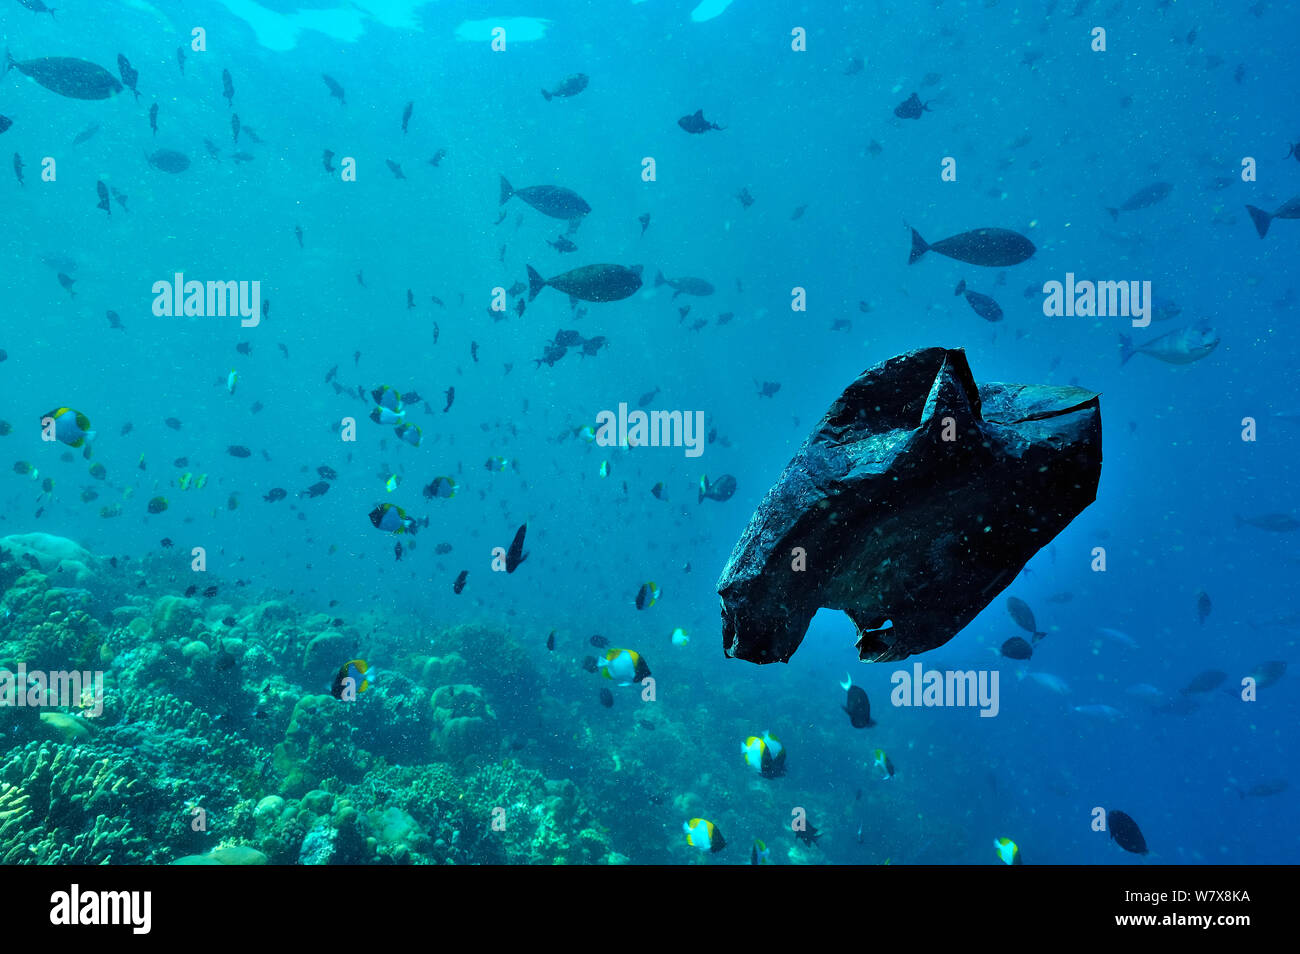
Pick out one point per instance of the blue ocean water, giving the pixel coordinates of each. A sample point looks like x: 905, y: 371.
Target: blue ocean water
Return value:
x: 1046, y: 134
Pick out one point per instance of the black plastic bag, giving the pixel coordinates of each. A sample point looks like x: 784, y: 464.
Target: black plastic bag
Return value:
x: 918, y: 498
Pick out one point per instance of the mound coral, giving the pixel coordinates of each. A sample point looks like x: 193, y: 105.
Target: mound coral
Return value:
x: 56, y: 556
x: 464, y: 725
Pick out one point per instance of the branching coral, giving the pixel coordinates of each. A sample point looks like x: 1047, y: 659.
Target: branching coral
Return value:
x: 14, y: 819
x: 74, y: 807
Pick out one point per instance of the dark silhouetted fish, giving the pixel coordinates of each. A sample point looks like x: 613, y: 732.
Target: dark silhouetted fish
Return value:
x: 130, y: 76
x: 18, y: 168
x: 1204, y: 681
x: 1274, y: 522
x: 228, y: 88
x: 592, y: 346
x: 697, y: 124
x: 328, y: 160
x: 550, y: 354
x: 395, y: 169
x: 1262, y: 219
x: 1274, y: 786
x: 68, y: 76
x: 719, y: 490
x: 6, y: 122
x: 86, y: 134
x: 169, y: 160
x: 102, y: 191
x: 406, y: 114
x: 911, y: 108
x: 460, y: 582
x: 1024, y: 617
x: 1203, y: 607
x: 571, y: 86
x: 180, y: 59
x: 1142, y: 198
x: 857, y: 705
x: 1164, y: 311
x: 982, y: 305
x: 684, y: 286
x: 335, y: 89
x: 516, y: 555
x: 1017, y: 648
x: 807, y: 835
x: 555, y: 201
x: 1268, y: 673
x: 37, y: 6
x: 153, y: 118
x: 607, y: 698
x: 67, y: 283
x: 1125, y: 832
x: 994, y: 248
x: 645, y: 222
x: 590, y: 282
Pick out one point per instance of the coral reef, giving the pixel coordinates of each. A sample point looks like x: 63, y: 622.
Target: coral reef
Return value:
x: 319, y: 744
x: 56, y: 556
x: 216, y: 744
x: 464, y: 725
x: 75, y: 807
